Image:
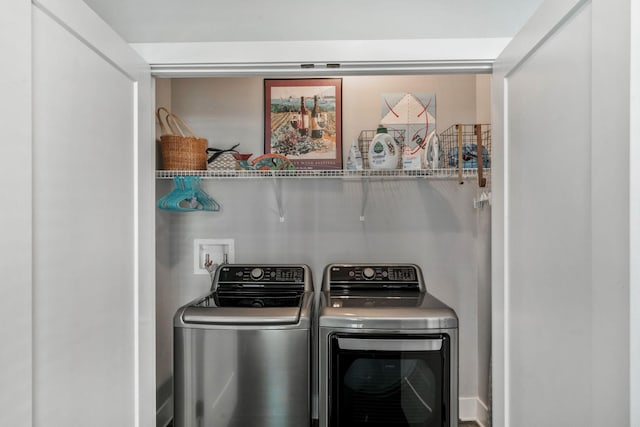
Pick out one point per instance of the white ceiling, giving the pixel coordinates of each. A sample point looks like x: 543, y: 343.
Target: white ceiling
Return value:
x: 140, y: 21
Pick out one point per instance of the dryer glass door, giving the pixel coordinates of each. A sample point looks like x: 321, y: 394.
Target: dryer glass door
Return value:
x: 391, y: 381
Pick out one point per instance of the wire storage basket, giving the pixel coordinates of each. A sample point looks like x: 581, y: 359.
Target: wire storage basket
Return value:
x: 365, y: 138
x: 459, y: 146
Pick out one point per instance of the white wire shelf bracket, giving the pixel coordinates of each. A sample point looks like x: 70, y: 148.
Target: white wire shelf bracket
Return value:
x: 449, y: 174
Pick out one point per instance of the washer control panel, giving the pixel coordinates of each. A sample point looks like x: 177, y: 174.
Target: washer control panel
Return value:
x: 261, y: 273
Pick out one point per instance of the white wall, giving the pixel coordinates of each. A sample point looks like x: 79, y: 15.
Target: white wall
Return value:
x: 483, y: 248
x: 15, y: 217
x: 483, y: 115
x: 227, y: 111
x: 483, y: 98
x: 432, y: 223
x: 455, y: 100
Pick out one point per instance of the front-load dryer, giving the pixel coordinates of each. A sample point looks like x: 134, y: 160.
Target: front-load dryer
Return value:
x: 388, y: 350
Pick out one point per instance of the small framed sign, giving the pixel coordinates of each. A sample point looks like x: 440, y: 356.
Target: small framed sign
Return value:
x: 303, y: 121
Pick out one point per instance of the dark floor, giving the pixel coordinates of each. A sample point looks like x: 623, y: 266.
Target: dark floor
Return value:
x: 315, y: 424
x: 462, y: 424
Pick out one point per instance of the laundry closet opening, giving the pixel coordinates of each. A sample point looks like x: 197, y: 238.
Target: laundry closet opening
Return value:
x: 429, y: 222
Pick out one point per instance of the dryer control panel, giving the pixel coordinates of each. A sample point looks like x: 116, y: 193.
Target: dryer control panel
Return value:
x: 372, y: 276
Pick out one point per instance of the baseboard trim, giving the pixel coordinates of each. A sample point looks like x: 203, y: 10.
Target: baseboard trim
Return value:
x: 473, y: 409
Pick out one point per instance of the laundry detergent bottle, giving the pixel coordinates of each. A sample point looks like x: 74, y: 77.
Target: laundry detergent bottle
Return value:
x: 383, y: 151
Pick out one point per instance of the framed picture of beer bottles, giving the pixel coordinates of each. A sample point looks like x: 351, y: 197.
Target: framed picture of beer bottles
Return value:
x: 303, y: 121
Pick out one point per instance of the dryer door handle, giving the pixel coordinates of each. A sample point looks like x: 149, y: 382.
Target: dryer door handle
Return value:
x: 377, y: 344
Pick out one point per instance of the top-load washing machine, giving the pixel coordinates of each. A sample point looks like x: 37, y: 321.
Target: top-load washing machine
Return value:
x: 388, y: 350
x: 242, y: 353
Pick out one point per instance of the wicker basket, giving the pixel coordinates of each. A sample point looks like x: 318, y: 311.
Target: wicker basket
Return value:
x: 180, y: 150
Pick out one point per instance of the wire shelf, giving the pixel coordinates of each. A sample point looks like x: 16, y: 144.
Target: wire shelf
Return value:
x: 450, y: 141
x: 333, y: 173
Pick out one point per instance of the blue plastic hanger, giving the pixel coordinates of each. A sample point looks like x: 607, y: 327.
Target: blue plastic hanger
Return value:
x: 188, y: 196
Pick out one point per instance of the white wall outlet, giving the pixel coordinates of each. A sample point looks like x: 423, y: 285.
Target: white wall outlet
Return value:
x: 214, y: 250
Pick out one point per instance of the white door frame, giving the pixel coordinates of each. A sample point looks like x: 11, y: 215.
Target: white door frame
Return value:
x: 82, y: 22
x: 615, y: 205
x: 541, y: 26
x: 634, y: 220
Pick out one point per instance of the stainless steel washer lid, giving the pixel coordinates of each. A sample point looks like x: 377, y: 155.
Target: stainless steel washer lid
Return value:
x: 253, y: 295
x: 241, y: 315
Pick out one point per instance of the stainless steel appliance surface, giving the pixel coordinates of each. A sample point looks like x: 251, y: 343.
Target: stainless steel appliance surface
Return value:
x: 388, y: 350
x: 242, y: 352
